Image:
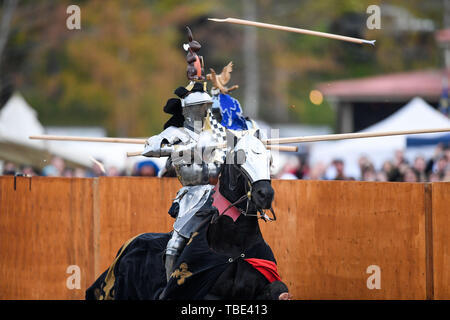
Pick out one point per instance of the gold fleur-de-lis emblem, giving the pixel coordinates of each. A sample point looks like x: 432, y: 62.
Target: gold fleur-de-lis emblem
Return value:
x: 181, y: 273
x: 192, y: 238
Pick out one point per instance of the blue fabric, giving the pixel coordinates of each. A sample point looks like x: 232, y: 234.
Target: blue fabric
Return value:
x: 230, y: 108
x: 419, y: 142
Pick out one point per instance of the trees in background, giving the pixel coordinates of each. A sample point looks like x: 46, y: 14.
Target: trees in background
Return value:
x: 124, y: 63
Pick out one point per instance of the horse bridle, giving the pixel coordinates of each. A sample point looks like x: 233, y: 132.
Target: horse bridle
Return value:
x: 261, y: 214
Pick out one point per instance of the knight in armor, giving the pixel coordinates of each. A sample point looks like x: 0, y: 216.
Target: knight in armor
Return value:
x: 189, y: 140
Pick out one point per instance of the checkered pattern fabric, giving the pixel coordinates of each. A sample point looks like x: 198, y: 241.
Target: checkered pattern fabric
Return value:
x: 218, y: 131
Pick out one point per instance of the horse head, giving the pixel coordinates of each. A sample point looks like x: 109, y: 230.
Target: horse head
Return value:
x: 245, y: 183
x: 246, y: 174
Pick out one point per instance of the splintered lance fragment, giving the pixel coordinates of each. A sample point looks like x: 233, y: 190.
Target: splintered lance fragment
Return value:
x: 100, y: 165
x: 295, y: 30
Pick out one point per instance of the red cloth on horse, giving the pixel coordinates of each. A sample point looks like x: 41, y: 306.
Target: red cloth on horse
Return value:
x: 266, y: 267
x: 221, y: 203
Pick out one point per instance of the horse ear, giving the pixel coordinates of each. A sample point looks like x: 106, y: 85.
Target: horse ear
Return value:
x: 239, y: 157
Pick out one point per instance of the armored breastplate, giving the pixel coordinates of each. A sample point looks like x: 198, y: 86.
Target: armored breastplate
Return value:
x: 198, y: 174
x: 199, y: 169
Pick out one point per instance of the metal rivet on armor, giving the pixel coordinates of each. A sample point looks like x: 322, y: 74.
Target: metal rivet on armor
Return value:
x: 230, y: 260
x: 242, y: 255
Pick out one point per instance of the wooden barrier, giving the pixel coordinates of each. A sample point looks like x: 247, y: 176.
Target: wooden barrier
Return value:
x: 128, y: 207
x: 330, y: 233
x: 441, y: 240
x: 332, y: 240
x: 45, y: 227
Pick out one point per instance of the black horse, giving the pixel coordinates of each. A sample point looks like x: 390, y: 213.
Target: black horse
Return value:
x: 226, y: 258
x: 241, y: 280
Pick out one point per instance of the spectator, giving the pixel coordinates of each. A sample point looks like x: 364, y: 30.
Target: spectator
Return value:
x: 409, y: 175
x: 9, y: 169
x: 447, y: 176
x: 317, y: 172
x: 433, y: 177
x: 440, y: 167
x: 419, y: 169
x: 29, y: 171
x: 446, y: 152
x: 113, y: 172
x: 399, y: 158
x: 339, y: 165
x: 435, y: 169
x: 381, y: 176
x: 402, y: 168
x: 97, y: 169
x: 369, y: 173
x: 438, y: 152
x: 68, y: 173
x: 389, y: 170
x: 363, y: 163
x: 302, y: 168
x: 55, y: 168
x: 146, y: 169
x: 290, y: 168
x: 79, y: 173
x: 50, y: 171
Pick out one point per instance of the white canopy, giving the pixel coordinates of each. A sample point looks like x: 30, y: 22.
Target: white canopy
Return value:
x: 417, y: 114
x: 18, y: 121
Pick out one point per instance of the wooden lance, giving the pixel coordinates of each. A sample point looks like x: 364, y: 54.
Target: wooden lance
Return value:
x: 272, y: 146
x: 295, y: 30
x: 344, y: 136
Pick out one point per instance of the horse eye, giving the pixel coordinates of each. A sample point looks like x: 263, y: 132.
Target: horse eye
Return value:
x: 257, y: 148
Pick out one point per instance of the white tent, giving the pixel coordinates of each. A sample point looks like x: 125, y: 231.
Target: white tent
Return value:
x: 18, y: 121
x: 417, y: 114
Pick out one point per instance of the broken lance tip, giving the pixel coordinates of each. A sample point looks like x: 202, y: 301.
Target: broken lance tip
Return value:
x: 372, y: 42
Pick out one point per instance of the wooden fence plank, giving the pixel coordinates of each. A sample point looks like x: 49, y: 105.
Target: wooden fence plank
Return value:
x: 441, y: 240
x: 130, y: 206
x: 45, y: 226
x: 329, y: 232
x: 327, y: 235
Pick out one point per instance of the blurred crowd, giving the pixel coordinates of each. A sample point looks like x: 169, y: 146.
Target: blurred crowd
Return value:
x: 397, y: 169
x: 58, y: 168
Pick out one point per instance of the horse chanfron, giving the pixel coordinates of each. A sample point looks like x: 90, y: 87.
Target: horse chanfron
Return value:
x: 254, y: 160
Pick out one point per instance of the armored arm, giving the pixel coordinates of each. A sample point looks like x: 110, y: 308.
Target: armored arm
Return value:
x: 162, y: 144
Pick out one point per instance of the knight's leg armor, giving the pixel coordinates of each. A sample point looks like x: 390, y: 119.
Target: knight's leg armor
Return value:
x: 174, y: 247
